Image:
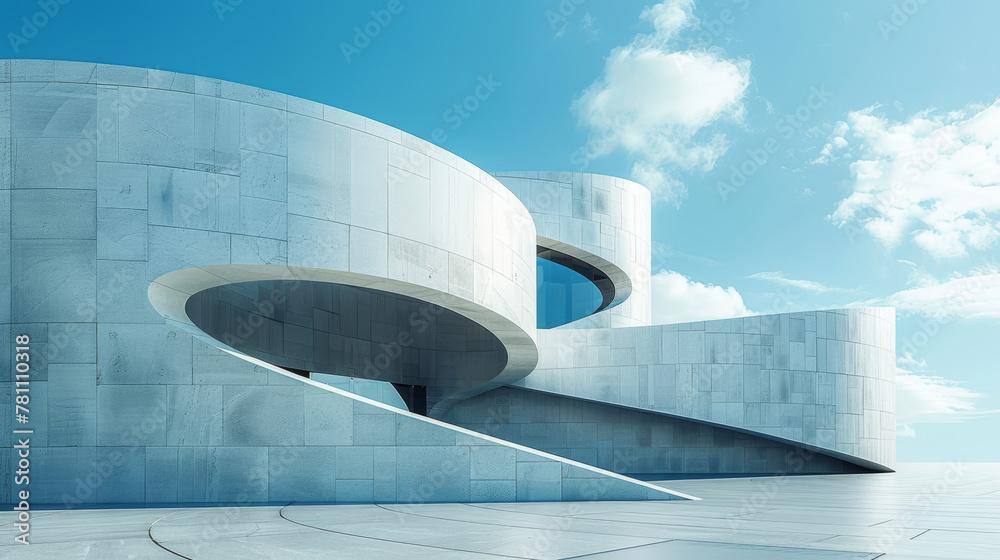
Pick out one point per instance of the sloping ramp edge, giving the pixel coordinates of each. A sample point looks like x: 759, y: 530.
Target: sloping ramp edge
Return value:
x: 533, y: 476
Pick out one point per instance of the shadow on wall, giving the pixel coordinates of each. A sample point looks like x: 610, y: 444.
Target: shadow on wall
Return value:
x: 632, y: 442
x: 350, y: 331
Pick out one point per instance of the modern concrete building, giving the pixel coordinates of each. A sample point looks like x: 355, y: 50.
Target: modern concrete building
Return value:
x: 235, y: 295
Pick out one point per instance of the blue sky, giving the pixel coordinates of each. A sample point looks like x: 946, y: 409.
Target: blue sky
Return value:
x: 864, y: 130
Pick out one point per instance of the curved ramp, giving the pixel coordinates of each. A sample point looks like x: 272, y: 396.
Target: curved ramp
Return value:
x: 363, y: 451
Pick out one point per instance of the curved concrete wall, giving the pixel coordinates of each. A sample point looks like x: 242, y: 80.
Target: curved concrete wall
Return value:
x: 115, y: 180
x: 125, y: 192
x: 599, y: 219
x: 824, y: 380
x: 257, y: 177
x: 167, y: 172
x: 631, y: 441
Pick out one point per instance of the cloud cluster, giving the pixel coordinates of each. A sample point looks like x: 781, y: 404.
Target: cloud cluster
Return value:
x: 678, y: 299
x: 975, y: 295
x: 655, y: 101
x: 930, y: 399
x: 933, y: 178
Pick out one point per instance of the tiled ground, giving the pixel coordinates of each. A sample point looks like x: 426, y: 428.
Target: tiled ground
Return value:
x: 923, y: 511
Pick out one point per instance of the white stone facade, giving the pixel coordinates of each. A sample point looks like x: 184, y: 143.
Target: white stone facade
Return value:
x: 127, y: 195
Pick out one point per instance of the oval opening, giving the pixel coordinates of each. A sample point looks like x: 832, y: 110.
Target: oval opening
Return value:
x: 569, y: 289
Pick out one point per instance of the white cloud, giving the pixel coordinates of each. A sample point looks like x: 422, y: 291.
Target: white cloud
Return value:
x: 933, y: 178
x: 678, y: 299
x: 655, y: 102
x: 975, y: 295
x: 930, y: 399
x: 908, y: 360
x: 836, y: 143
x: 779, y: 278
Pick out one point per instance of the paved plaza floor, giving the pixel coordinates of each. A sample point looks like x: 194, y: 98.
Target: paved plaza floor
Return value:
x: 923, y: 511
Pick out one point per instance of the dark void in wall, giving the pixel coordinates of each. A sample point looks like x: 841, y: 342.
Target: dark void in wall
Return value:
x: 415, y: 397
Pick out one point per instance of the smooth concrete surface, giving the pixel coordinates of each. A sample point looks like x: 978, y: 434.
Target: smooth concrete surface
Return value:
x: 286, y: 438
x: 820, y: 379
x: 631, y: 441
x: 605, y: 221
x: 125, y: 192
x: 921, y: 512
x: 113, y: 177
